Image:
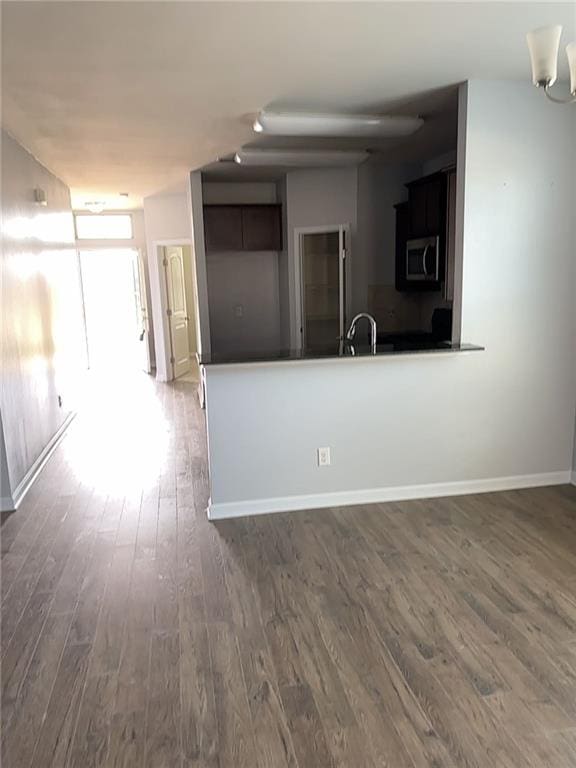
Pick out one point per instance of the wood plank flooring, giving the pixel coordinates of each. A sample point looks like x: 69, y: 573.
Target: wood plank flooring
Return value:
x: 428, y: 634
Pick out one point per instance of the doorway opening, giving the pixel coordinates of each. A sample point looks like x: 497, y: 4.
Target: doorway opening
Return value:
x: 114, y: 309
x: 322, y: 262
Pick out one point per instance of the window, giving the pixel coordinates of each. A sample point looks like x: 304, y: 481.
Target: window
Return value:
x: 111, y: 226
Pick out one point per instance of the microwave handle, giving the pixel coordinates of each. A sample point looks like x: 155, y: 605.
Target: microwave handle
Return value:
x: 424, y: 254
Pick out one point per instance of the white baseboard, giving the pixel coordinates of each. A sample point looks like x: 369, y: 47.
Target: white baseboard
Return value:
x: 24, y: 485
x: 221, y: 511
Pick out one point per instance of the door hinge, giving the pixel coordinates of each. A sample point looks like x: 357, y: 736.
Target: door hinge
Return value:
x: 343, y: 254
x: 169, y: 312
x: 165, y: 262
x: 172, y: 360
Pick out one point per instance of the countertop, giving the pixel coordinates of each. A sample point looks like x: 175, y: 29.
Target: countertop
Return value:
x: 336, y: 351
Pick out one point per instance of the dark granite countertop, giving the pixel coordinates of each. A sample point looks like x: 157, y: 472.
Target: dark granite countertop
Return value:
x: 336, y: 351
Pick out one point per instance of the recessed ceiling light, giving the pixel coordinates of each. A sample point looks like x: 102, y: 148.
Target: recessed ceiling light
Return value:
x: 326, y: 125
x: 299, y: 157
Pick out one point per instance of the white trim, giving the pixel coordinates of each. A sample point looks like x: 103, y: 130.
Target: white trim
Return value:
x: 165, y: 328
x: 318, y: 230
x: 200, y: 279
x: 460, y: 214
x: 26, y: 483
x: 224, y: 510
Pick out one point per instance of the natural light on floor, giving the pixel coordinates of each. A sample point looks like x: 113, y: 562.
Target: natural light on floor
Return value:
x: 129, y: 434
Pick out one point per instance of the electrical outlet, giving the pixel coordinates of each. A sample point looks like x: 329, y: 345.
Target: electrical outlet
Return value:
x: 324, y: 457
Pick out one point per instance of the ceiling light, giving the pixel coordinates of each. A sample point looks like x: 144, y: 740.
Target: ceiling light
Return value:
x: 300, y: 124
x: 299, y: 157
x: 95, y: 206
x: 543, y: 44
x: 40, y: 196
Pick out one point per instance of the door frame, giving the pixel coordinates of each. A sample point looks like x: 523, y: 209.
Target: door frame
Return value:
x: 166, y: 336
x: 298, y: 273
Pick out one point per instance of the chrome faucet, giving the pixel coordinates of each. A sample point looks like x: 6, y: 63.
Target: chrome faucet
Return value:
x: 352, y: 330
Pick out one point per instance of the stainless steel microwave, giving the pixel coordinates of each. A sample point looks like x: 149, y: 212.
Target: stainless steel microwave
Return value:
x: 423, y: 259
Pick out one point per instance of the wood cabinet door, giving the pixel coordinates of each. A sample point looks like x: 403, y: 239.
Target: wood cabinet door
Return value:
x: 261, y: 229
x: 434, y: 201
x: 418, y: 206
x: 223, y: 227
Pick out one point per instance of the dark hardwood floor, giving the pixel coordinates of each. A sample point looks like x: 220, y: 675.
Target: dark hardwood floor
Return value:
x: 427, y: 634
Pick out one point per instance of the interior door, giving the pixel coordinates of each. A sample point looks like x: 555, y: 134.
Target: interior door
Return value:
x: 177, y: 310
x: 323, y: 288
x: 139, y: 277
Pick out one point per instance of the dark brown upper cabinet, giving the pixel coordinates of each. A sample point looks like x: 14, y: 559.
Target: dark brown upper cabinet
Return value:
x: 402, y: 225
x: 427, y: 198
x: 243, y: 227
x: 223, y: 227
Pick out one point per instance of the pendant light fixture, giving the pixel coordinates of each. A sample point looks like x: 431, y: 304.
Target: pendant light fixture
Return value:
x: 543, y: 44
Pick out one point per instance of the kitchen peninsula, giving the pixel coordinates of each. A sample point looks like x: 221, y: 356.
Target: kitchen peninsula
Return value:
x: 337, y: 368
x: 339, y: 350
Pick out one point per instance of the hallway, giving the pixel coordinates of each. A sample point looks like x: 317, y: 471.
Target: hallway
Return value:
x: 135, y: 633
x: 91, y: 566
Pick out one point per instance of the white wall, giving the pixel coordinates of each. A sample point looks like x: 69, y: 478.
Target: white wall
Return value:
x: 167, y: 219
x: 243, y: 286
x: 438, y: 163
x: 190, y: 301
x: 380, y: 187
x: 499, y: 418
x: 42, y: 329
x: 284, y: 268
x: 6, y: 499
x: 574, y: 458
x: 314, y: 198
x: 373, y: 265
x: 244, y: 301
x: 200, y: 279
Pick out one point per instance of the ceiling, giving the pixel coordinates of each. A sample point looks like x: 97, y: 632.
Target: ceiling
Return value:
x: 129, y: 96
x: 437, y: 136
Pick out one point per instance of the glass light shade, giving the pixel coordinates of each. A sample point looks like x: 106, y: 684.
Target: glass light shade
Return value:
x: 543, y: 44
x: 325, y: 125
x: 571, y: 53
x: 303, y: 158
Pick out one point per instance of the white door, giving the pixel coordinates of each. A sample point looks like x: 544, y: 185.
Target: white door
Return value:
x: 139, y: 276
x: 177, y: 310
